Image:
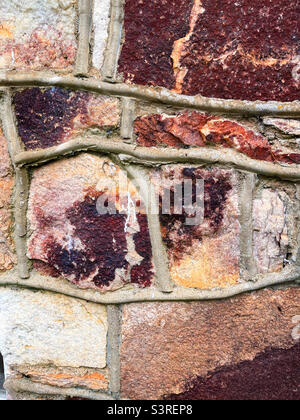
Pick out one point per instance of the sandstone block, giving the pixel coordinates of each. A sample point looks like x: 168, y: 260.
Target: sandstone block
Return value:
x: 70, y: 238
x: 240, y: 348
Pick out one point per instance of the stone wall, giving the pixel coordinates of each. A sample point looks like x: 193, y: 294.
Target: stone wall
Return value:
x: 137, y: 304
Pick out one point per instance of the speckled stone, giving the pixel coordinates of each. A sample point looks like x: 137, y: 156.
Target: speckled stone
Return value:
x: 46, y: 118
x: 38, y: 35
x: 244, y: 347
x: 206, y: 255
x: 244, y: 50
x: 51, y: 329
x: 71, y: 239
x: 7, y: 256
x: 191, y: 129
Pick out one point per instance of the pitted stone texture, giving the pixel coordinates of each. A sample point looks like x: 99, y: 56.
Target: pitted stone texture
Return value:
x: 204, y: 256
x: 192, y: 350
x: 194, y: 129
x: 36, y: 35
x: 151, y: 28
x: 272, y: 235
x: 64, y: 377
x: 46, y: 118
x: 244, y: 50
x: 70, y: 238
x: 7, y: 256
x: 41, y: 328
x: 101, y: 15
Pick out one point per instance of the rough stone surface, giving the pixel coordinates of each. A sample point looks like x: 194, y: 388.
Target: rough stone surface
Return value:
x: 100, y: 22
x: 287, y: 126
x: 203, y: 130
x: 244, y: 50
x: 36, y: 35
x: 64, y: 377
x: 49, y: 117
x: 271, y: 230
x: 206, y: 255
x: 41, y: 328
x: 240, y: 347
x: 69, y: 236
x: 151, y: 28
x: 7, y: 256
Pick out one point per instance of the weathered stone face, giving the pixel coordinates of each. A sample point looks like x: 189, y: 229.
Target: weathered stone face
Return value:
x: 51, y: 329
x: 193, y: 129
x: 241, y: 348
x: 206, y: 255
x: 37, y: 35
x: 272, y: 233
x: 71, y: 239
x: 100, y: 24
x: 287, y: 126
x: 49, y: 117
x: 245, y: 50
x: 7, y: 256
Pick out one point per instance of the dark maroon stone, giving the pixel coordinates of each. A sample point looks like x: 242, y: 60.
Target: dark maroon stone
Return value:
x: 151, y: 28
x: 272, y: 375
x: 44, y: 117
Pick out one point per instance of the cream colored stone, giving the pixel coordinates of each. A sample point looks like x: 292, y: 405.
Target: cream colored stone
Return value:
x: 47, y: 328
x: 100, y: 24
x: 271, y: 236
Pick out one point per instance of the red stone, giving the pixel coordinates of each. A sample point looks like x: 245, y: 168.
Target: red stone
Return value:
x: 196, y: 129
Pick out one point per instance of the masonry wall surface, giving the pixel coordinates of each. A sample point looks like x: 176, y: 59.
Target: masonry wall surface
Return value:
x: 115, y: 101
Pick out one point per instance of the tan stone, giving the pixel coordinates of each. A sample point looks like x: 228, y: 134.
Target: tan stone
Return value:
x: 166, y: 345
x: 204, y: 256
x: 42, y: 328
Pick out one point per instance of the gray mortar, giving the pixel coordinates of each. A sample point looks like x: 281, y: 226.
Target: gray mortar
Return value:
x: 83, y: 49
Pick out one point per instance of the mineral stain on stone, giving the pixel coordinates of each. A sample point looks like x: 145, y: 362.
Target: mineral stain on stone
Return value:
x: 177, y: 234
x: 203, y: 130
x: 44, y: 117
x: 204, y: 255
x: 104, y: 247
x: 272, y: 375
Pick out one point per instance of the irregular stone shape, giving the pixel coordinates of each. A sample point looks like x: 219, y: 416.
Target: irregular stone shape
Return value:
x: 271, y: 232
x: 49, y: 117
x: 151, y: 28
x: 211, y: 350
x: 100, y: 22
x: 291, y: 127
x: 206, y: 255
x: 203, y: 130
x: 65, y: 377
x: 245, y: 50
x: 36, y: 35
x: 7, y: 256
x: 41, y: 328
x: 72, y: 239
